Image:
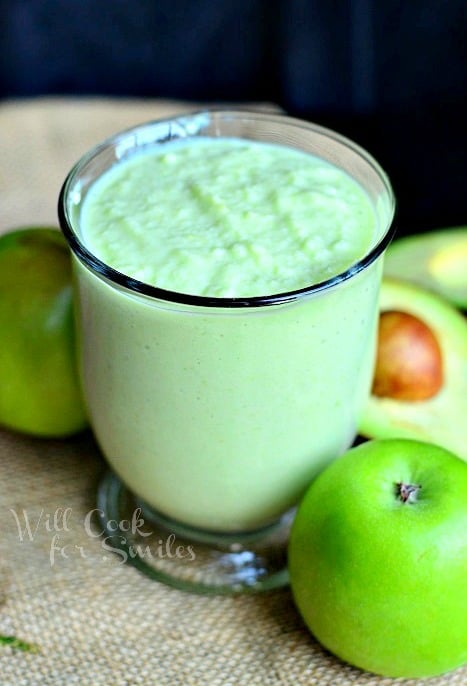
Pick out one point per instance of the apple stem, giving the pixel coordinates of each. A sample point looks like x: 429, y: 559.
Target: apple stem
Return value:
x: 407, y: 492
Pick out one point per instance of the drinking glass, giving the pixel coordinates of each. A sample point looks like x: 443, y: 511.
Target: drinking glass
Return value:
x: 215, y: 414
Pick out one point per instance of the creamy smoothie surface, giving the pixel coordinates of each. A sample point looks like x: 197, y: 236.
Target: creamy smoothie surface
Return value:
x: 226, y: 217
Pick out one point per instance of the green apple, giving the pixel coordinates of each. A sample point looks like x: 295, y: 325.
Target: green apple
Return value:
x: 39, y: 389
x: 378, y: 558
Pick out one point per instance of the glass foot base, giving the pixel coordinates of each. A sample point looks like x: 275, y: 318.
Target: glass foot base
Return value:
x: 187, y: 558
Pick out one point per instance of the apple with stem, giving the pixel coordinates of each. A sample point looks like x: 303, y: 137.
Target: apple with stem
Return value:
x: 378, y: 558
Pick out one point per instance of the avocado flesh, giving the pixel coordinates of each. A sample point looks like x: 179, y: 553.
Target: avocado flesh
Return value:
x: 442, y: 418
x: 436, y: 261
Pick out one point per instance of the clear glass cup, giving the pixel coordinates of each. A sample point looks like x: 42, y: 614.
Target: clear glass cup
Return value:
x: 215, y: 414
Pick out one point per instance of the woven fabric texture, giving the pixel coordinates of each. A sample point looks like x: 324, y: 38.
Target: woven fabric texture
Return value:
x: 96, y: 621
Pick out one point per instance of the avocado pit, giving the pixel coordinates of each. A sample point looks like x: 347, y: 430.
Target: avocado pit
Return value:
x: 409, y: 363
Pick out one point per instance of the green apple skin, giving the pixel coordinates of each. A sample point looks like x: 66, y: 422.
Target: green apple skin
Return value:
x: 39, y: 388
x: 380, y: 582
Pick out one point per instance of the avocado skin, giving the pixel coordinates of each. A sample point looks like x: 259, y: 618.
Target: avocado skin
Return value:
x: 428, y: 259
x: 440, y: 419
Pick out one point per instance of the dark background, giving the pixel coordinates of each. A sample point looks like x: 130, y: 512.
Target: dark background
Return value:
x: 391, y: 75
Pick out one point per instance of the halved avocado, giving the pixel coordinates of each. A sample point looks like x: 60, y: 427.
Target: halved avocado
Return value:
x: 440, y: 418
x: 436, y: 260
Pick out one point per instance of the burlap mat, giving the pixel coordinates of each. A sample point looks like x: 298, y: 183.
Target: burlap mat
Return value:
x: 96, y: 621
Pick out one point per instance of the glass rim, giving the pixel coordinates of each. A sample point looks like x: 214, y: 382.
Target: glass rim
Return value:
x: 100, y: 268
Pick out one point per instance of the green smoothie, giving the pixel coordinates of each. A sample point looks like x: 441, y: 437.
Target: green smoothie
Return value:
x: 219, y: 416
x: 228, y: 218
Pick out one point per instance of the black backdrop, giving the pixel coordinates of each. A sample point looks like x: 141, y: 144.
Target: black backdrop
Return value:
x: 390, y: 74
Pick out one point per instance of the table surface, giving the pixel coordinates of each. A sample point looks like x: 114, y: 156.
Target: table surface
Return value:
x: 95, y: 620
